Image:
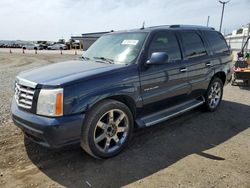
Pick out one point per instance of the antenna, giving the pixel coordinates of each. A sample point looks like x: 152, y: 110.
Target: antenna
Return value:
x: 208, y: 18
x: 143, y: 25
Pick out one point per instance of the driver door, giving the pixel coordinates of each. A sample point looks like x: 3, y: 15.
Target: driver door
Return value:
x: 164, y: 85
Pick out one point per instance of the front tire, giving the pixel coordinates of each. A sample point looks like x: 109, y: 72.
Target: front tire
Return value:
x: 214, y: 94
x: 107, y: 129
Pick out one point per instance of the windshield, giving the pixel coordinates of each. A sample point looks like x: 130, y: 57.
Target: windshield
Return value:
x: 120, y: 48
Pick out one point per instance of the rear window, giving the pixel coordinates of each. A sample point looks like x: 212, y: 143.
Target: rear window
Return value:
x: 217, y: 42
x: 193, y: 45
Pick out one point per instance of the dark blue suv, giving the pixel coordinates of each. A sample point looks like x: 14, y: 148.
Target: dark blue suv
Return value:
x: 125, y: 80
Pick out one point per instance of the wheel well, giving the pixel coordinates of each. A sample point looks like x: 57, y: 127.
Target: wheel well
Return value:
x: 128, y: 101
x: 221, y: 75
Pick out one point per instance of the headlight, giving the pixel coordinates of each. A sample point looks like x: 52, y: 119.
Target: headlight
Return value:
x: 50, y: 102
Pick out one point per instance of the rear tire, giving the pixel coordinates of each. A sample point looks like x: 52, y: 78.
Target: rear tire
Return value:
x: 213, y: 95
x: 107, y: 129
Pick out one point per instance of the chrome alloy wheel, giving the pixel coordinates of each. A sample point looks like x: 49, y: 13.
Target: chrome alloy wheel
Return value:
x: 111, y: 131
x: 214, y: 96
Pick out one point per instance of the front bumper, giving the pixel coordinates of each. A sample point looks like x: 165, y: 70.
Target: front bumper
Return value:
x: 51, y: 132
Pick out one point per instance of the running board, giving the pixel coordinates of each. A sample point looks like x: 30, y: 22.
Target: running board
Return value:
x: 166, y: 114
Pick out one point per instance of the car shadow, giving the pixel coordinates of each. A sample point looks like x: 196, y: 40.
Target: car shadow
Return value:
x: 245, y: 87
x: 242, y: 85
x: 151, y: 149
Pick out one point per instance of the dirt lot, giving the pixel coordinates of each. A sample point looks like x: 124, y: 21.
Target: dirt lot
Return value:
x: 195, y: 150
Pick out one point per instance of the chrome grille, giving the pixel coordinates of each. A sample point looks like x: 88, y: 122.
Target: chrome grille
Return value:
x: 24, y: 95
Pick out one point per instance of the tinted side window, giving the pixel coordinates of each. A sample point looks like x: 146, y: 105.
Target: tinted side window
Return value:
x: 193, y: 45
x: 217, y: 42
x: 165, y: 42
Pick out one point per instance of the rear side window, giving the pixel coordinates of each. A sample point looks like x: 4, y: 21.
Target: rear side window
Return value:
x: 165, y: 42
x: 217, y: 42
x: 193, y: 45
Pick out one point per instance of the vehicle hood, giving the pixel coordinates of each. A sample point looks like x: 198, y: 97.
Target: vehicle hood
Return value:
x: 66, y: 72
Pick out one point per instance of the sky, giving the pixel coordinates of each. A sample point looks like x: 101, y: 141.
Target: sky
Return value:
x: 54, y: 19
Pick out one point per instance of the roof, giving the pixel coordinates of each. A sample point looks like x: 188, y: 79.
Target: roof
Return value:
x: 90, y: 35
x: 76, y: 37
x: 182, y: 27
x: 167, y: 27
x: 146, y: 29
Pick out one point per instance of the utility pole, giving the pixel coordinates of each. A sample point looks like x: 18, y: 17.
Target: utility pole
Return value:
x: 222, y: 13
x: 208, y: 20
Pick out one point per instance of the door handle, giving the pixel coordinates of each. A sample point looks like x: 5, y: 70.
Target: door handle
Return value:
x: 183, y: 70
x: 208, y: 64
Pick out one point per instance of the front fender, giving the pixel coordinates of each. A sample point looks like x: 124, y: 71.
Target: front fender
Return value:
x: 81, y: 96
x: 87, y: 101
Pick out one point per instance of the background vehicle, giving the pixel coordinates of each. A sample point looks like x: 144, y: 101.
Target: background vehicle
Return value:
x: 43, y: 46
x: 125, y: 80
x: 32, y: 46
x: 57, y: 47
x: 242, y: 67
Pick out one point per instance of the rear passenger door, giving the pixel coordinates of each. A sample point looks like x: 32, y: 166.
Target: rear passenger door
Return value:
x: 197, y: 58
x: 220, y: 52
x: 164, y: 85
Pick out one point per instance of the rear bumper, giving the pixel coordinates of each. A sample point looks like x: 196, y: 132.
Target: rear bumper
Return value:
x: 51, y: 132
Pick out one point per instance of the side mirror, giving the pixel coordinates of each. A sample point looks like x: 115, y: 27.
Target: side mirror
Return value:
x: 158, y: 58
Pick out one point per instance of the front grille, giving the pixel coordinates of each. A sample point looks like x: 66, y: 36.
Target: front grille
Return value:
x: 24, y: 95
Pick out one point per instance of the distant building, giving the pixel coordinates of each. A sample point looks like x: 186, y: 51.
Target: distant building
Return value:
x: 87, y: 39
x: 238, y: 38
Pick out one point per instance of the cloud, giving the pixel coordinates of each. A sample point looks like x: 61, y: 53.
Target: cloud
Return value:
x: 50, y: 20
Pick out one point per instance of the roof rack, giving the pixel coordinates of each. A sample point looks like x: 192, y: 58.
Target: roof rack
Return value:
x: 191, y: 26
x: 183, y: 26
x: 159, y: 26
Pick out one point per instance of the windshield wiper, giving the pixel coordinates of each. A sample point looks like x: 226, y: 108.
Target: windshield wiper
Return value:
x: 85, y: 58
x: 110, y: 61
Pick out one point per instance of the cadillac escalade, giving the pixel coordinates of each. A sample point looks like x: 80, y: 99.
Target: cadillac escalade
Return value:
x: 125, y: 80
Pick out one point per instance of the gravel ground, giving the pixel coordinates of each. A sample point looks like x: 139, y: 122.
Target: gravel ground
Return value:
x: 194, y: 150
